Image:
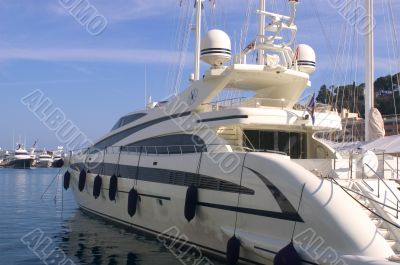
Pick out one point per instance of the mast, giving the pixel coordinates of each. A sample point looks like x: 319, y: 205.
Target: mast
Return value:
x: 261, y: 31
x: 369, y: 66
x: 199, y: 4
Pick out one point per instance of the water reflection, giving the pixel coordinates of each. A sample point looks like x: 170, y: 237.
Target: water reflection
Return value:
x: 84, y: 239
x: 91, y: 241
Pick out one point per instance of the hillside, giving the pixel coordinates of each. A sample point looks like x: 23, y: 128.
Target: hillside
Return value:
x: 351, y: 96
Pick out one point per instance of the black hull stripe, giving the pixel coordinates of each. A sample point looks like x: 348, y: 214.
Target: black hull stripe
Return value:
x: 257, y: 212
x: 144, y: 195
x: 249, y: 211
x: 285, y: 205
x: 166, y: 176
x: 288, y: 212
x: 224, y: 118
x: 157, y: 233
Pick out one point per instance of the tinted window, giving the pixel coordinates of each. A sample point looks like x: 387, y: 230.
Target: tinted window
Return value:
x: 177, y: 143
x: 127, y: 119
x: 113, y: 139
x: 291, y: 143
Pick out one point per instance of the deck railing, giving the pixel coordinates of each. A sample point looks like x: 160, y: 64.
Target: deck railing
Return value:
x: 382, y: 179
x: 246, y: 102
x: 163, y: 150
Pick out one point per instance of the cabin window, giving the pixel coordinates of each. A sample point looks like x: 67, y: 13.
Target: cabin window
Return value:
x: 127, y: 119
x: 172, y: 144
x: 291, y: 143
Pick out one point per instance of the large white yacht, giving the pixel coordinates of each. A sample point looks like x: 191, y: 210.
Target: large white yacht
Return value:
x: 21, y: 159
x: 45, y: 160
x: 246, y: 179
x: 58, y: 159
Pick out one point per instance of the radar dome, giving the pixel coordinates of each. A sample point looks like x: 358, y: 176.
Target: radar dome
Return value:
x: 306, y: 58
x: 216, y: 47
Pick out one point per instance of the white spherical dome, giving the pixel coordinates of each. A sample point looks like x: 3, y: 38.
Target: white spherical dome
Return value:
x: 306, y: 58
x: 216, y: 47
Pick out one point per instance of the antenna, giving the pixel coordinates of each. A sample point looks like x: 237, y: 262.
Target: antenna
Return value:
x: 261, y: 32
x: 145, y: 85
x: 369, y: 66
x: 199, y: 5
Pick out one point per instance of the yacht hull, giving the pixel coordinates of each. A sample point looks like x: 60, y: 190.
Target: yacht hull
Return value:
x: 58, y: 163
x: 44, y: 163
x: 20, y: 164
x: 257, y: 202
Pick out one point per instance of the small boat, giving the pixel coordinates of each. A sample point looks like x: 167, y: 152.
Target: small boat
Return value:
x: 4, y: 158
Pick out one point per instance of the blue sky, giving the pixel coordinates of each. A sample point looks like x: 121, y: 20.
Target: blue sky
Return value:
x: 96, y: 79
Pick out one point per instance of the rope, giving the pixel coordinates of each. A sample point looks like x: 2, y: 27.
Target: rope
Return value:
x: 55, y: 195
x: 182, y: 55
x: 103, y: 163
x: 298, y: 209
x: 199, y: 165
x: 388, y: 17
x: 245, y: 26
x: 324, y: 33
x: 395, y: 39
x: 62, y: 201
x: 117, y: 166
x: 137, y: 168
x: 212, y: 13
x: 240, y: 191
x: 336, y: 65
x: 51, y: 183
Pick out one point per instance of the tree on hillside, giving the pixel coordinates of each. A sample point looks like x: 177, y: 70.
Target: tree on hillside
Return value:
x: 351, y: 96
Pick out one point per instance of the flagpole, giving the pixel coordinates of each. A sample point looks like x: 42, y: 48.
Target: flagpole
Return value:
x: 261, y: 32
x: 369, y: 66
x: 199, y: 4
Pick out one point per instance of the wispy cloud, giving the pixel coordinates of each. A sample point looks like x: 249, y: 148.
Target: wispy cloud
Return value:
x: 90, y: 55
x: 123, y: 10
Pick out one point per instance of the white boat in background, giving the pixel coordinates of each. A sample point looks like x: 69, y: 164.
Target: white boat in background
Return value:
x: 32, y: 153
x: 45, y: 160
x: 244, y: 179
x: 58, y: 157
x: 21, y: 159
x: 4, y: 158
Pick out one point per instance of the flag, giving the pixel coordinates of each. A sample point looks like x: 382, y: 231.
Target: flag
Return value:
x: 250, y: 47
x: 310, y: 108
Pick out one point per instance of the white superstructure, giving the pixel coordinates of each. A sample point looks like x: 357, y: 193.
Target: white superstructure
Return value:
x: 45, y: 159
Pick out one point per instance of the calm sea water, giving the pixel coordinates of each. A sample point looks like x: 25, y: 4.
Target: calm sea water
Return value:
x: 83, y: 239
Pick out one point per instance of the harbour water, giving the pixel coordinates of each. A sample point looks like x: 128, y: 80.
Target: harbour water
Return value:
x: 83, y: 239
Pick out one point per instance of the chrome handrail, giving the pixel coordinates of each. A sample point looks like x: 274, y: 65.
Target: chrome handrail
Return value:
x: 240, y: 101
x: 387, y: 186
x: 170, y: 149
x: 346, y: 190
x: 391, y: 168
x: 364, y: 196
